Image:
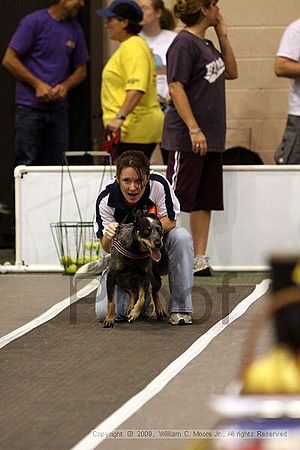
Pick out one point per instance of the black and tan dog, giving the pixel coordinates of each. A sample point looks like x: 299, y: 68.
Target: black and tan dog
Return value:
x: 132, y: 267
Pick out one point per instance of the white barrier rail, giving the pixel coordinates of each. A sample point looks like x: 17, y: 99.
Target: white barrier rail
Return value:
x: 261, y: 216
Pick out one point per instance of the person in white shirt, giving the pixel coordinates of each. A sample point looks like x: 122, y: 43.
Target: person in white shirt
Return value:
x: 287, y: 64
x: 158, y: 25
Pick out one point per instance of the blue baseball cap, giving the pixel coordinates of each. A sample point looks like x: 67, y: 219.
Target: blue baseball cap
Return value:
x: 126, y: 9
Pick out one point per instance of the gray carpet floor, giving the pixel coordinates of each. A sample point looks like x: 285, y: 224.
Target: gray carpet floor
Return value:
x: 66, y: 376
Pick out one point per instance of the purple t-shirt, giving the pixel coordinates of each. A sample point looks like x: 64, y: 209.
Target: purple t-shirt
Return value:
x: 197, y: 64
x: 50, y: 49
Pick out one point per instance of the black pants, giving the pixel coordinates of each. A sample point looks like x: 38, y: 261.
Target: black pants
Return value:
x: 288, y: 151
x: 41, y: 136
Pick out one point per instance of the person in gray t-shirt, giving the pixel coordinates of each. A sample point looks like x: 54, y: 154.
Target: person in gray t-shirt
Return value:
x: 195, y: 123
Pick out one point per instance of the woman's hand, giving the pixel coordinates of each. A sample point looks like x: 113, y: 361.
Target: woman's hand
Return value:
x: 231, y: 70
x: 115, y: 124
x: 221, y: 27
x: 109, y: 233
x: 110, y: 230
x: 131, y: 101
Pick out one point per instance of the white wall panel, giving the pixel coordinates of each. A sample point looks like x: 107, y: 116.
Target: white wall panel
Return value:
x: 261, y: 217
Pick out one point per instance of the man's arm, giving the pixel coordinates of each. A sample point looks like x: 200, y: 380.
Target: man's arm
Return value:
x: 74, y: 79
x: 285, y: 67
x: 14, y: 65
x: 44, y: 92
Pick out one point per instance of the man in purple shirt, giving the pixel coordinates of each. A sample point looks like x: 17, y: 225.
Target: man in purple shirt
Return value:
x: 47, y: 55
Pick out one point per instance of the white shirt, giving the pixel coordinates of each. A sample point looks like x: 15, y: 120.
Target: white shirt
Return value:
x: 159, y: 45
x: 289, y: 47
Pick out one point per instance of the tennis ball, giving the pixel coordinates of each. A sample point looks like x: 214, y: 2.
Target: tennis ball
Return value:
x: 72, y: 268
x: 88, y: 245
x: 96, y: 246
x: 81, y: 260
x: 65, y: 260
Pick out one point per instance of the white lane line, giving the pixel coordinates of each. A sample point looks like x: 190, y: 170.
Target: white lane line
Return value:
x: 92, y: 440
x: 48, y: 315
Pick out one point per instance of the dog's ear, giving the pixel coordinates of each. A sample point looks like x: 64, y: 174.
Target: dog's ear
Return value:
x: 138, y: 213
x: 141, y: 222
x: 138, y: 216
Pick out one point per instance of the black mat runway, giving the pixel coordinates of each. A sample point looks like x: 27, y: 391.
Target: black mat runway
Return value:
x: 66, y: 376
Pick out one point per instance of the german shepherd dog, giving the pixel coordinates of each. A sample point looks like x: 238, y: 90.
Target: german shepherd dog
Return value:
x: 132, y: 267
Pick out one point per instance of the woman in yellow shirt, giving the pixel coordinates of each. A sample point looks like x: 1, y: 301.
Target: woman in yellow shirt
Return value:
x: 128, y: 90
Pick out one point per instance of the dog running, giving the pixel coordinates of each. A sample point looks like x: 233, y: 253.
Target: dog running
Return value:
x: 134, y: 251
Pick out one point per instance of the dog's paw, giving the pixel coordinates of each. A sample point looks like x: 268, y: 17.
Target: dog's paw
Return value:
x: 132, y: 316
x: 108, y: 323
x: 161, y: 314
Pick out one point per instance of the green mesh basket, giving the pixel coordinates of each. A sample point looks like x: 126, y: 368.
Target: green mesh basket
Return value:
x: 75, y: 244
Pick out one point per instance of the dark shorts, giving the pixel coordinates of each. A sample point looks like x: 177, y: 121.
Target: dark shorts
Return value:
x: 197, y: 180
x: 288, y: 151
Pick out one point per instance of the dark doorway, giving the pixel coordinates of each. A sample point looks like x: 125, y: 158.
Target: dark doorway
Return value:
x: 85, y: 120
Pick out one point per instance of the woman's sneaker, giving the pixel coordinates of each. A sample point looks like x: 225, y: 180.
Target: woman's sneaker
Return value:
x: 202, y: 267
x: 180, y: 319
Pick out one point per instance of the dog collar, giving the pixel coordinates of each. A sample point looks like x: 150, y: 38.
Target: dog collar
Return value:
x: 119, y: 247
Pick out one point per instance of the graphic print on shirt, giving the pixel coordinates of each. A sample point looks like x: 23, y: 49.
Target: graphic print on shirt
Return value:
x: 214, y: 70
x: 158, y: 60
x: 161, y: 76
x: 160, y: 67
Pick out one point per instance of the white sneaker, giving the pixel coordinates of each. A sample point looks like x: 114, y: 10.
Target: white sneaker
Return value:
x: 180, y: 319
x: 202, y: 267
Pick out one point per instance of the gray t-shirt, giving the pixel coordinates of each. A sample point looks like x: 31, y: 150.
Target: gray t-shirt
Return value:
x: 197, y: 64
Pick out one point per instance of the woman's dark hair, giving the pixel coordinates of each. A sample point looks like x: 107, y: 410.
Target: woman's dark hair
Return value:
x: 135, y: 159
x: 189, y: 11
x: 133, y: 28
x: 166, y: 20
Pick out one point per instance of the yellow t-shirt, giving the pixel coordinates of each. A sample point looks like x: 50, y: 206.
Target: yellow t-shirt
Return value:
x: 132, y: 67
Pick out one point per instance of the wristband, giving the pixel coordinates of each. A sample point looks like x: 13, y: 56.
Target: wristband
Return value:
x: 120, y: 116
